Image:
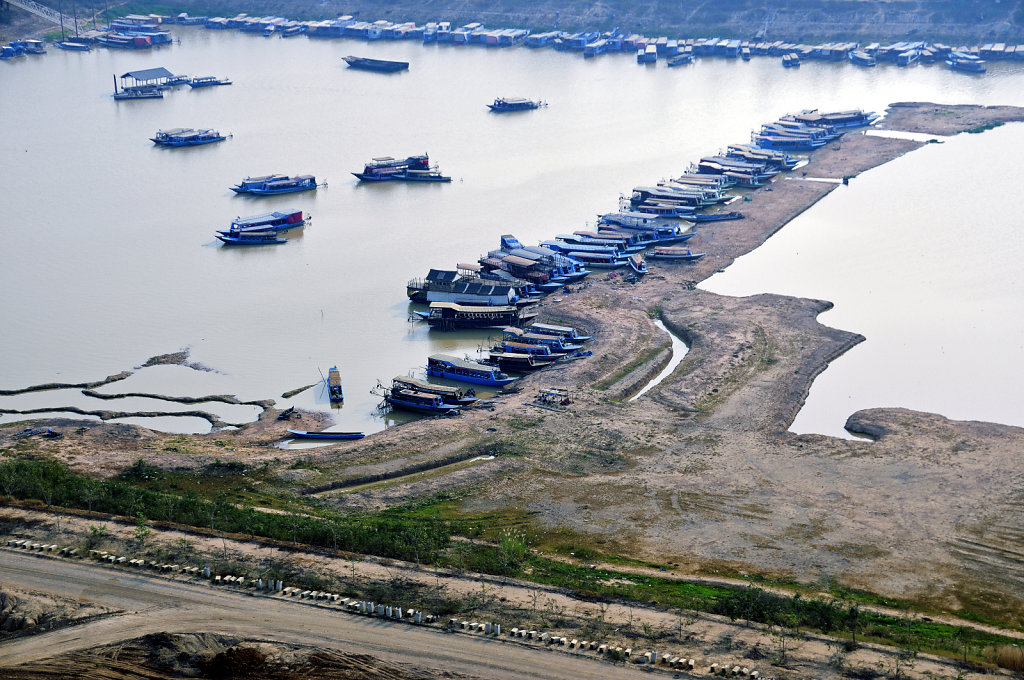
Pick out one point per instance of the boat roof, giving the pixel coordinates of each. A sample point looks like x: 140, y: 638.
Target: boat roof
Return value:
x: 422, y: 395
x: 442, y: 275
x: 265, y: 216
x: 468, y: 267
x: 461, y: 363
x: 551, y: 327
x: 149, y: 74
x: 514, y: 259
x: 425, y: 386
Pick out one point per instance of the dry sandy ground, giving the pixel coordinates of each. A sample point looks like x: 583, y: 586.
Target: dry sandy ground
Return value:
x: 701, y: 472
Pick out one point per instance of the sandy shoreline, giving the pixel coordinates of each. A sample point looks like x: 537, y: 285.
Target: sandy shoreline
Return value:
x: 700, y: 472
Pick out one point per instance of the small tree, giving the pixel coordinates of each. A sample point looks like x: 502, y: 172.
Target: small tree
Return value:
x: 142, y: 530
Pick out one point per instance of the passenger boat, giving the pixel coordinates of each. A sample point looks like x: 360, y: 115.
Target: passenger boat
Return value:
x: 379, y: 65
x: 325, y: 434
x: 208, y: 81
x: 862, y: 58
x: 961, y: 61
x: 542, y: 351
x: 453, y: 396
x: 598, y: 260
x: 250, y: 238
x: 73, y: 46
x: 509, y: 104
x: 516, y: 362
x: 454, y: 368
x: 334, y: 391
x: 186, y: 137
x: 836, y: 119
x: 270, y: 185
x: 409, y: 169
x: 567, y: 332
x: 451, y: 315
x: 791, y: 60
x: 555, y: 342
x: 418, y: 402
x: 681, y: 254
x: 281, y: 220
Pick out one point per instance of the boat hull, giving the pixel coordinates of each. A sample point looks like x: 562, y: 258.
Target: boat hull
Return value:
x: 302, y: 434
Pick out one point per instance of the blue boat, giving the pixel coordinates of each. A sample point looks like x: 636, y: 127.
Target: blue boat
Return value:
x: 250, y: 238
x: 379, y: 65
x: 324, y: 434
x: 409, y: 169
x: 454, y: 368
x: 716, y: 217
x: 678, y: 254
x: 270, y: 185
x: 186, y: 137
x: 557, y: 343
x: 208, y: 81
x: 73, y: 46
x: 509, y: 104
x: 450, y: 395
x: 274, y: 221
x: 567, y: 332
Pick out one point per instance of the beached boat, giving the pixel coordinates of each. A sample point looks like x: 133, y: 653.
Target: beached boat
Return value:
x: 516, y: 362
x: 448, y: 316
x: 567, y: 332
x: 509, y: 104
x: 716, y: 217
x: 270, y: 185
x: 451, y: 395
x: 679, y: 254
x: 73, y: 46
x: 325, y: 434
x: 637, y: 264
x: 186, y: 137
x: 250, y: 238
x: 464, y: 370
x: 208, y: 81
x: 379, y: 65
x: 418, y: 402
x: 334, y: 391
x: 557, y: 343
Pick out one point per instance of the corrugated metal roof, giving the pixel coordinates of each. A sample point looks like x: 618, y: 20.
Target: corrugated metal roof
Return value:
x: 149, y: 74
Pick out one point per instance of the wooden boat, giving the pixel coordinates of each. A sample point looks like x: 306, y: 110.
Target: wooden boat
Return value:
x: 716, y: 217
x: 410, y: 169
x: 73, y: 46
x: 453, y: 396
x: 334, y: 391
x: 567, y: 332
x: 555, y: 342
x: 129, y: 93
x: 270, y: 185
x: 379, y: 65
x: 250, y: 238
x: 637, y: 264
x: 516, y: 362
x: 208, y: 81
x: 679, y: 254
x: 178, y: 137
x: 419, y: 402
x: 464, y: 370
x: 279, y: 220
x: 451, y: 315
x: 324, y: 434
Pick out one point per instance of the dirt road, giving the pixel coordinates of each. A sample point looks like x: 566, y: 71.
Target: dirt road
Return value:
x: 153, y: 605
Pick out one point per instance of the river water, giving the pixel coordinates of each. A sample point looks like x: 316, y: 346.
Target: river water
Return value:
x: 108, y: 249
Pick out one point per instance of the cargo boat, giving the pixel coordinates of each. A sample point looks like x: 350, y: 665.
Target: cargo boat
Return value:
x: 378, y: 65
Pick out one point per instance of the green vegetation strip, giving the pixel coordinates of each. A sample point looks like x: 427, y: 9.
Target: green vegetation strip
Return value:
x: 423, y: 533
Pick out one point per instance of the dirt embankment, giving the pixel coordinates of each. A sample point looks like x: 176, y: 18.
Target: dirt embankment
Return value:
x: 701, y: 472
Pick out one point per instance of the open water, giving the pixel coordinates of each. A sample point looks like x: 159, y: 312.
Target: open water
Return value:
x: 108, y: 249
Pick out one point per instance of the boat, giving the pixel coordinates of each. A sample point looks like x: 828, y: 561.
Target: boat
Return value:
x: 637, y: 264
x: 186, y: 137
x: 451, y: 315
x: 555, y: 342
x: 73, y: 46
x: 716, y: 217
x: 325, y: 434
x: 567, y: 332
x: 519, y: 363
x: 969, y: 63
x: 409, y: 169
x: 791, y: 60
x: 34, y: 46
x: 680, y: 254
x: 250, y: 238
x: 680, y: 59
x: 509, y: 104
x: 418, y: 402
x: 208, y: 81
x: 139, y: 92
x: 334, y: 391
x: 862, y: 58
x: 453, y: 396
x: 281, y: 220
x: 379, y: 65
x: 464, y: 370
x: 837, y: 119
x: 270, y: 185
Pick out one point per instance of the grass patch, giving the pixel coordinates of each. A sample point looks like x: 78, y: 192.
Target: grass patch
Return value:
x: 982, y: 128
x: 641, y: 359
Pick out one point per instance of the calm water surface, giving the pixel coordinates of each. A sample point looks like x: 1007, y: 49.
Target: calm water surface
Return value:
x: 109, y: 256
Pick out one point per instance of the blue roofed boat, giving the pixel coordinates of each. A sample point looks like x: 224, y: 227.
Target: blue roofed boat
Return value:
x: 208, y: 81
x: 464, y: 370
x: 250, y: 237
x: 509, y: 104
x: 270, y: 185
x: 186, y: 137
x: 567, y: 332
x: 276, y: 221
x: 411, y: 399
x: 410, y: 169
x: 557, y: 343
x: 334, y: 391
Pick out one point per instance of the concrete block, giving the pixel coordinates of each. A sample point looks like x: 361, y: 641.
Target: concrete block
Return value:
x: 497, y: 629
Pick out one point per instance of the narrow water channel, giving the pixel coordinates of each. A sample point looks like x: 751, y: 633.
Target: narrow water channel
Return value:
x: 679, y: 350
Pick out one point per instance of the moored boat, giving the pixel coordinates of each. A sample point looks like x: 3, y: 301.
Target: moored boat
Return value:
x: 208, y: 81
x: 325, y: 434
x: 716, y: 217
x: 509, y: 104
x: 516, y: 362
x: 449, y: 394
x: 409, y: 169
x: 250, y: 238
x: 454, y: 368
x: 73, y: 46
x: 379, y: 65
x: 186, y: 137
x: 270, y: 185
x: 450, y: 315
x: 280, y: 220
x: 418, y: 402
x: 567, y: 332
x: 680, y: 254
x: 334, y: 391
